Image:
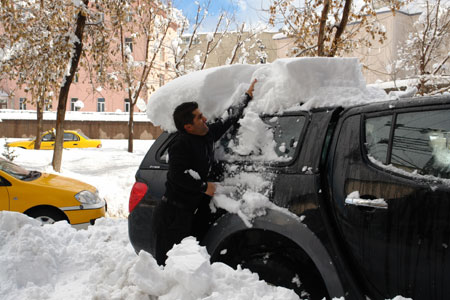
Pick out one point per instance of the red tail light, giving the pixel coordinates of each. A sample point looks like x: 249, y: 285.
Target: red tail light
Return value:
x: 137, y: 193
x: 99, y: 145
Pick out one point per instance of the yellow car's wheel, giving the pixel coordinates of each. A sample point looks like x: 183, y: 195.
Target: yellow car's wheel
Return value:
x: 46, y: 215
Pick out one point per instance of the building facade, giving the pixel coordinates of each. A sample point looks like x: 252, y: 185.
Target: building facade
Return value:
x: 87, y: 95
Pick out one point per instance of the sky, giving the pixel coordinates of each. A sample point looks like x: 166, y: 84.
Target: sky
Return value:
x: 248, y: 11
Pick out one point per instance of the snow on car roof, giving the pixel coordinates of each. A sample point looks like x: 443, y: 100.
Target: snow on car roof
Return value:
x: 287, y: 83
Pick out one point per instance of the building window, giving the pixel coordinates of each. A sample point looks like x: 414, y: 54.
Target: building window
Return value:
x: 161, y: 79
x: 47, y: 104
x: 76, y: 77
x: 22, y: 104
x: 129, y: 17
x: 187, y: 39
x: 127, y: 105
x: 72, y: 104
x: 100, y: 104
x: 129, y: 43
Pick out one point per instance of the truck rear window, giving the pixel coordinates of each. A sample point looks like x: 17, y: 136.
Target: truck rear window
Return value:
x: 271, y: 139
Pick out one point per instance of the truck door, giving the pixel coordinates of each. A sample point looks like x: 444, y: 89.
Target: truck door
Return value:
x: 391, y: 194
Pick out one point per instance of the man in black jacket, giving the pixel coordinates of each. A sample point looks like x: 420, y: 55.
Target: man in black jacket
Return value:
x: 184, y: 209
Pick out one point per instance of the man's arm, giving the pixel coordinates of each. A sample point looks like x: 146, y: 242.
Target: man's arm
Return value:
x: 235, y: 113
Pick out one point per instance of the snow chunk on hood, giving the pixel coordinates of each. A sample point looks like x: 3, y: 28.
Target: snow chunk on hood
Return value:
x: 288, y: 83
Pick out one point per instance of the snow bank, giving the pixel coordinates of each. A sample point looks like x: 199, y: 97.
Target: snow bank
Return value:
x: 303, y: 83
x: 59, y: 262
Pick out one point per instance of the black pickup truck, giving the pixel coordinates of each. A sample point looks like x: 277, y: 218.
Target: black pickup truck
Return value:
x: 368, y: 188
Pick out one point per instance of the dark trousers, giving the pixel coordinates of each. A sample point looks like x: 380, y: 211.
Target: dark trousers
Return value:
x: 171, y: 223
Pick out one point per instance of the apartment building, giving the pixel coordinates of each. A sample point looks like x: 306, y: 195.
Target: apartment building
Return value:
x: 87, y: 95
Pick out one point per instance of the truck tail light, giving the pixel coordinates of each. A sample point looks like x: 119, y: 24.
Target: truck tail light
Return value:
x: 137, y: 193
x: 99, y: 145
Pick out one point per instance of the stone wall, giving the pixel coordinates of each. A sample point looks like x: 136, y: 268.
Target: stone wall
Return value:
x: 92, y: 129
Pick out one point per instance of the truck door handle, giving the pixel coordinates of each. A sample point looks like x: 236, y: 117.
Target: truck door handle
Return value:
x: 75, y: 144
x: 375, y: 203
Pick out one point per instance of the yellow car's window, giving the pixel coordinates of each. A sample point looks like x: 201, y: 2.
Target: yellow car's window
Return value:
x: 83, y: 135
x: 48, y: 137
x: 13, y: 169
x: 70, y: 137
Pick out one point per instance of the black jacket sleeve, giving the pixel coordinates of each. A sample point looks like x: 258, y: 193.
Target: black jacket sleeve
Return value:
x: 219, y: 127
x: 180, y: 161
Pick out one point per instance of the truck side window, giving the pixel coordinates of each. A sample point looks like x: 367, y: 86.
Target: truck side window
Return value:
x: 276, y: 140
x: 421, y: 143
x: 286, y: 133
x: 377, y: 137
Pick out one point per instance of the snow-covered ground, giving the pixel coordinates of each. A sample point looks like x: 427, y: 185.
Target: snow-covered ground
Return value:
x: 59, y: 262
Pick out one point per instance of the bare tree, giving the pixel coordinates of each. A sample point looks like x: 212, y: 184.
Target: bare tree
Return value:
x: 134, y: 37
x: 192, y: 50
x: 77, y: 38
x: 181, y: 47
x: 240, y: 37
x: 320, y: 27
x: 34, y: 48
x: 425, y: 53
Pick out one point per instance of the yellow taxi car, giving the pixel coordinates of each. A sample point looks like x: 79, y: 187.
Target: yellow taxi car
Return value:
x: 72, y: 139
x: 48, y: 197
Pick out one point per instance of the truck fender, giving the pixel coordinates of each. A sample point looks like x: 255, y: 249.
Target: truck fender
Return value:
x: 287, y: 225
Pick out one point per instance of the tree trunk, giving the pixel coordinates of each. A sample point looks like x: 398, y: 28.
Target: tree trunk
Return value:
x: 131, y: 128
x: 64, y: 91
x: 341, y: 28
x: 40, y: 125
x: 323, y: 22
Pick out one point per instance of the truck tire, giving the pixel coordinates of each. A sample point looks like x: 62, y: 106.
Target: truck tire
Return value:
x: 279, y: 270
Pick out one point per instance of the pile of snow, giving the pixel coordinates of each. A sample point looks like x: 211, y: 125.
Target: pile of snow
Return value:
x: 79, y: 104
x: 59, y: 262
x: 300, y: 83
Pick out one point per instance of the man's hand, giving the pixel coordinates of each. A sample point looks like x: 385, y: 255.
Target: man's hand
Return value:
x: 251, y: 88
x: 211, y: 189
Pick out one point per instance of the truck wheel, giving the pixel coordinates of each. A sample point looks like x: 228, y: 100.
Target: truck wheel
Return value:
x: 278, y: 270
x: 46, y: 215
x: 276, y: 259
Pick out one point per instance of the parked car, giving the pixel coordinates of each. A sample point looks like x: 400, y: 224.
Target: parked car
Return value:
x: 370, y: 185
x: 72, y: 139
x: 48, y: 197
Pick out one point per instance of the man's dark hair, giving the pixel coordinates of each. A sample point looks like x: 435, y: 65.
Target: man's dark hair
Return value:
x: 183, y: 114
